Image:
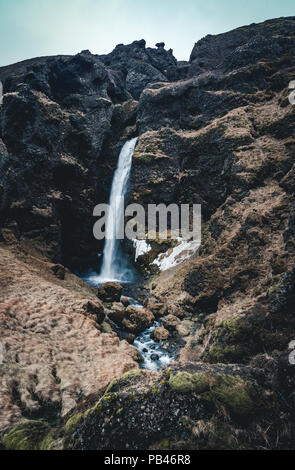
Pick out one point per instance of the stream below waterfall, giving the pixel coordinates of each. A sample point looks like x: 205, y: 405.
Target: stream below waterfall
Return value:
x: 155, y: 355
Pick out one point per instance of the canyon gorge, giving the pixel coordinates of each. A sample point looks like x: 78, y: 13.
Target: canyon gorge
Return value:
x: 217, y: 130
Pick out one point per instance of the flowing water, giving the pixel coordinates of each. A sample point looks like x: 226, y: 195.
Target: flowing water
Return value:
x: 114, y: 265
x: 154, y: 355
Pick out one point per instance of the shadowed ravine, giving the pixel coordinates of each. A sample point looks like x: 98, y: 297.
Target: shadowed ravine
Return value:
x: 116, y: 267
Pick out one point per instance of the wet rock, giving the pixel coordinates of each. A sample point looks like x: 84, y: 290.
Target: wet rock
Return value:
x: 110, y: 292
x: 130, y: 338
x: 160, y: 334
x: 155, y: 357
x: 137, y: 319
x: 125, y: 301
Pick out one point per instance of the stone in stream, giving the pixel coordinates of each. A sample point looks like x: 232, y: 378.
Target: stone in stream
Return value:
x: 110, y: 292
x: 160, y: 334
x: 137, y: 320
x: 130, y: 338
x: 155, y: 357
x: 125, y: 301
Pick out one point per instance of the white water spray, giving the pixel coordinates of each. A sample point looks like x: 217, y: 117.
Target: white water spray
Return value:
x: 113, y: 266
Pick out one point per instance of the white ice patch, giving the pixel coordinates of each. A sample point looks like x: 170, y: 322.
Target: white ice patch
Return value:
x: 177, y: 255
x: 141, y: 247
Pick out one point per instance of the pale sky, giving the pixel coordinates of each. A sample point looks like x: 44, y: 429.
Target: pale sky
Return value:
x: 33, y: 28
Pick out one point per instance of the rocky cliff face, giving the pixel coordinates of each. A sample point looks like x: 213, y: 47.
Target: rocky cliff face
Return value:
x: 217, y: 131
x: 63, y: 122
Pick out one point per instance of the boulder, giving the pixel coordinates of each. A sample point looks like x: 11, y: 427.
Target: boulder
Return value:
x: 117, y: 312
x: 160, y: 334
x: 130, y: 338
x: 110, y: 292
x: 59, y: 271
x: 158, y: 308
x: 137, y: 319
x: 125, y: 301
x: 170, y: 322
x: 95, y: 308
x: 155, y: 357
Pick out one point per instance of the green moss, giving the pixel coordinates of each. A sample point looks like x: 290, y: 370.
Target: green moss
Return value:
x: 232, y: 392
x: 222, y: 354
x: 125, y: 379
x: 233, y: 326
x: 273, y: 291
x: 50, y: 441
x: 184, y: 382
x: 164, y: 444
x: 238, y: 395
x: 25, y: 436
x: 73, y: 422
x: 106, y: 328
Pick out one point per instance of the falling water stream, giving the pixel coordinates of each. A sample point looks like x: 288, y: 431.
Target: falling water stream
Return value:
x: 114, y: 267
x: 114, y: 264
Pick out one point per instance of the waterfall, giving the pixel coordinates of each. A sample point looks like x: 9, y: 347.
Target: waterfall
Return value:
x: 114, y: 267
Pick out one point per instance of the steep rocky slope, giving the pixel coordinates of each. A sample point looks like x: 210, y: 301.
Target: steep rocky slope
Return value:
x: 217, y: 131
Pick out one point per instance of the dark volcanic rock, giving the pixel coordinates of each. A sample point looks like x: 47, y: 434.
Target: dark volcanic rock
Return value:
x: 137, y: 65
x: 284, y: 300
x: 181, y: 409
x: 243, y: 46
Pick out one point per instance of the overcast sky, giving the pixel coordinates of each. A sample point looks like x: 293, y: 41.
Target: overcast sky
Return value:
x: 31, y: 28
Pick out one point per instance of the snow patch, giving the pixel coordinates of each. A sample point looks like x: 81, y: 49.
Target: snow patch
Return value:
x: 174, y: 256
x: 141, y: 247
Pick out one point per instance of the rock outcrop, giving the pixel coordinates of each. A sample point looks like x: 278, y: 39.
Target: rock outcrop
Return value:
x: 137, y: 319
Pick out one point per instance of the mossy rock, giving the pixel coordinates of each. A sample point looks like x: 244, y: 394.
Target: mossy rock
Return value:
x: 185, y: 382
x: 232, y: 392
x: 53, y: 440
x: 234, y: 327
x: 126, y: 379
x: 223, y: 354
x: 106, y: 328
x: 239, y: 396
x: 73, y: 423
x: 25, y: 436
